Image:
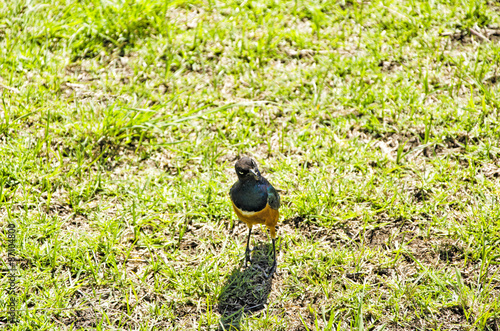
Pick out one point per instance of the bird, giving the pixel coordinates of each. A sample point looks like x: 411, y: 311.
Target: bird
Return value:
x: 255, y: 201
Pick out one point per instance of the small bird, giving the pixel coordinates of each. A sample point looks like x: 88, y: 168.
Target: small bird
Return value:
x: 255, y: 201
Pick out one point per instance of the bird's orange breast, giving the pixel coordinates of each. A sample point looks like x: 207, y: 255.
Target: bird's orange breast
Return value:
x: 267, y: 216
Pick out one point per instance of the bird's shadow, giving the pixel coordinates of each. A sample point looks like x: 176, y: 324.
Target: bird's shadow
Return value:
x: 247, y: 289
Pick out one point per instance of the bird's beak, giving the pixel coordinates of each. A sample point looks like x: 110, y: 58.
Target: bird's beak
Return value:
x: 255, y: 174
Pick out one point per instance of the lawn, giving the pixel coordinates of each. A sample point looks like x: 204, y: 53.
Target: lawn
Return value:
x: 378, y: 121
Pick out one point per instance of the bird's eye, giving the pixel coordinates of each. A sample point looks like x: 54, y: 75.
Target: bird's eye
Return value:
x: 241, y: 172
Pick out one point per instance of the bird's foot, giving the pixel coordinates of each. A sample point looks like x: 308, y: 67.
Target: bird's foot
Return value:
x: 271, y: 271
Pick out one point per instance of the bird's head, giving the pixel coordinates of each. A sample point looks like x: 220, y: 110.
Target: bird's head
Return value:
x: 246, y: 168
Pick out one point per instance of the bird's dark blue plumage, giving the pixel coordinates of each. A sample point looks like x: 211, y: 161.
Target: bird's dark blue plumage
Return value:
x: 254, y: 195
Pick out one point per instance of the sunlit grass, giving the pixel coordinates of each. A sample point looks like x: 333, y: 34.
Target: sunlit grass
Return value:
x: 120, y: 122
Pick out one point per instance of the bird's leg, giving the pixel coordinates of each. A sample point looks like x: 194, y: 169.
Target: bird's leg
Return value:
x: 247, y: 250
x: 273, y: 267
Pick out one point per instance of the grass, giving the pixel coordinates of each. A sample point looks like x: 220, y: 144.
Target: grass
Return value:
x: 120, y: 122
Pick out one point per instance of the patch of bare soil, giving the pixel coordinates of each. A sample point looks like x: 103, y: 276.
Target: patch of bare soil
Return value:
x: 474, y: 34
x: 390, y: 65
x: 453, y: 316
x: 85, y: 319
x: 491, y: 170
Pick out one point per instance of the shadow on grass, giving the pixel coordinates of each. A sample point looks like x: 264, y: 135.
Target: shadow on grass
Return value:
x: 246, y: 291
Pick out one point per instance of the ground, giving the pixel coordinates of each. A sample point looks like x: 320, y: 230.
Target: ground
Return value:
x: 378, y: 121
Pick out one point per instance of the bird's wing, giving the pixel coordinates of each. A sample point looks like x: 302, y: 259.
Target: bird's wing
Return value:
x: 273, y: 198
